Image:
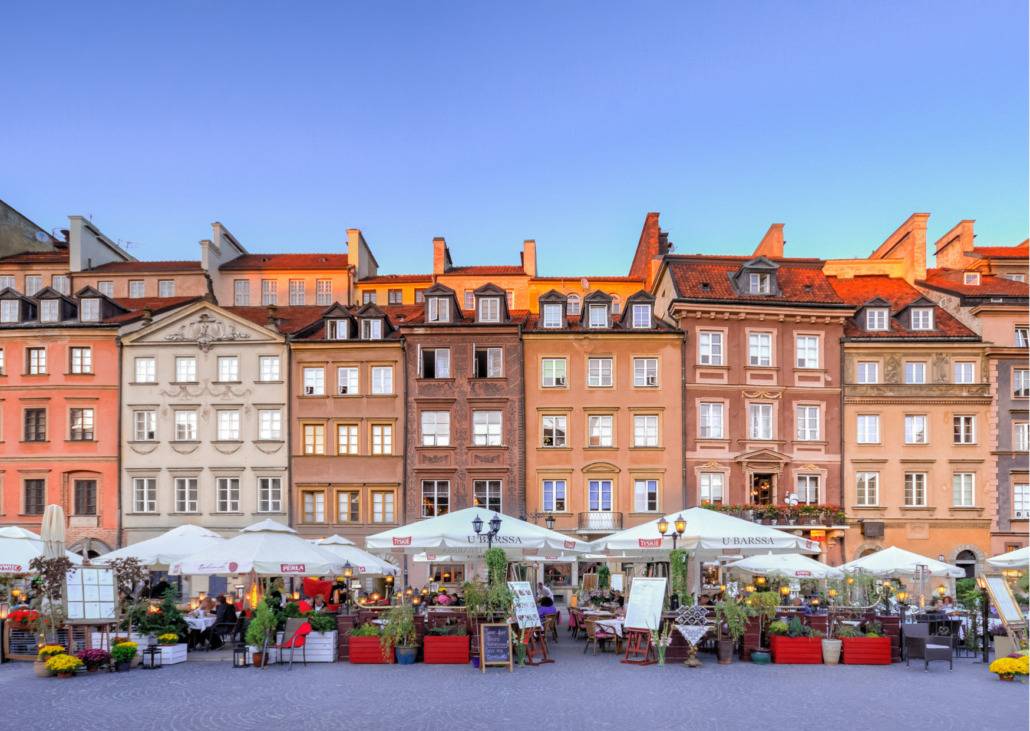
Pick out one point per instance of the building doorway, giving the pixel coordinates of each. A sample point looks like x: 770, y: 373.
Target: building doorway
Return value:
x: 966, y: 560
x: 762, y: 488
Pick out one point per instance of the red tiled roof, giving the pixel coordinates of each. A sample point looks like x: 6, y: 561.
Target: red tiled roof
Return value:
x: 486, y: 270
x: 288, y: 319
x: 574, y: 324
x: 136, y: 305
x: 1019, y: 251
x: 591, y: 279
x: 286, y: 261
x: 515, y: 317
x: 899, y: 294
x: 129, y: 267
x: 397, y: 314
x: 396, y: 279
x: 37, y: 257
x: 991, y: 285
x: 708, y: 278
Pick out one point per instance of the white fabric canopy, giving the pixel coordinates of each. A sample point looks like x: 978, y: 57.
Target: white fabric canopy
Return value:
x: 362, y: 562
x: 167, y: 548
x: 894, y: 561
x: 19, y: 546
x: 52, y: 531
x: 453, y: 532
x: 707, y: 532
x: 267, y: 548
x: 790, y: 565
x: 1017, y: 559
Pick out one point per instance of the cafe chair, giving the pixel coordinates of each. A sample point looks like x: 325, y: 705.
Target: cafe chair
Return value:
x: 921, y: 645
x: 295, y: 636
x: 575, y: 622
x: 551, y: 626
x: 598, y: 636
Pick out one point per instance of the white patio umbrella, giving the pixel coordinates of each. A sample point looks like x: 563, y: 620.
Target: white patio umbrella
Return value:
x: 52, y: 531
x: 790, y: 565
x: 167, y: 548
x: 896, y: 562
x: 1018, y: 559
x: 19, y: 546
x: 362, y: 562
x: 454, y: 533
x: 267, y: 548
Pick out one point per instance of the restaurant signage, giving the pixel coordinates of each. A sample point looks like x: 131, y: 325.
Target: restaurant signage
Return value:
x: 510, y: 540
x: 802, y: 573
x: 291, y: 568
x: 646, y: 600
x: 649, y: 542
x: 402, y: 541
x: 11, y: 568
x: 90, y: 596
x: 570, y: 544
x: 494, y: 646
x: 524, y: 604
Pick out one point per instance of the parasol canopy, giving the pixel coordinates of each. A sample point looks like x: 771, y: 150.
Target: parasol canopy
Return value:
x: 167, y: 548
x: 52, y: 531
x: 1017, y: 559
x: 789, y: 565
x: 362, y: 562
x: 896, y: 562
x: 19, y: 546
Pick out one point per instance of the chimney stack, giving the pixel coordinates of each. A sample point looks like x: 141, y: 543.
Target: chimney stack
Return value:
x: 771, y: 244
x: 441, y: 257
x: 529, y: 257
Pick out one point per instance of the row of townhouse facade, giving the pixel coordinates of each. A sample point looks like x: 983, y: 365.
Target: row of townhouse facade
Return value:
x: 887, y: 400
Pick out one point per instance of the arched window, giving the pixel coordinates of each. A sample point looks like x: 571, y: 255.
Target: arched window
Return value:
x: 573, y: 304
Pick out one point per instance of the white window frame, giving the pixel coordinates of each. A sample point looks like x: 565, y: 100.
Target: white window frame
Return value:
x: 36, y: 361
x: 384, y: 506
x: 600, y: 431
x: 489, y: 309
x: 487, y: 428
x: 711, y: 424
x: 165, y: 287
x: 554, y: 495
x: 552, y: 319
x: 438, y: 309
x: 877, y: 319
x: 228, y: 369
x: 760, y: 349
x: 554, y: 431
x: 323, y: 291
x: 382, y: 380
x: 921, y: 318
x: 382, y: 439
x: 435, y: 428
x: 270, y: 494
x: 646, y: 495
x: 867, y: 429
x: 297, y: 292
x: 89, y: 309
x: 760, y: 418
x: 81, y: 359
x: 600, y: 372
x: 228, y: 425
x: 435, y: 506
x: 865, y: 368
x: 600, y: 496
x: 806, y: 349
x: 963, y: 490
x: 915, y: 372
x: 963, y: 429
x: 185, y: 425
x: 711, y: 487
x: 144, y: 425
x: 314, y: 380
x: 348, y: 380
x: 144, y: 494
x: 488, y: 494
x: 808, y: 419
x: 348, y: 436
x: 270, y: 424
x: 267, y: 372
x: 867, y: 489
x: 645, y: 372
x: 808, y: 487
x: 641, y: 316
x: 371, y: 328
x: 915, y: 489
x: 50, y: 310
x: 710, y: 347
x: 241, y: 292
x: 269, y: 292
x: 137, y: 288
x: 337, y: 329
x: 549, y: 375
x: 645, y: 430
x: 597, y: 316
x: 917, y: 429
x: 185, y: 369
x: 187, y: 494
x: 312, y: 438
x: 963, y: 371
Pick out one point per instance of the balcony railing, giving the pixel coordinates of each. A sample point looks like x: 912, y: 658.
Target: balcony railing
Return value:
x: 784, y: 516
x: 600, y: 522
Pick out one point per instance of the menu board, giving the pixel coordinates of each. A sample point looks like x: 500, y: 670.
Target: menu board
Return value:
x: 90, y: 595
x: 526, y: 614
x: 646, y: 600
x: 494, y: 646
x: 1004, y: 601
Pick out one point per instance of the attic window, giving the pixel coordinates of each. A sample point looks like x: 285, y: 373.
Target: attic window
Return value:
x: 372, y: 329
x: 335, y: 329
x: 876, y: 318
x: 641, y: 316
x: 760, y: 283
x: 552, y: 316
x: 489, y: 309
x: 89, y: 309
x: 49, y: 310
x: 808, y: 288
x: 705, y: 287
x: 598, y: 316
x: 439, y: 309
x: 922, y: 318
x: 9, y: 311
x: 971, y: 278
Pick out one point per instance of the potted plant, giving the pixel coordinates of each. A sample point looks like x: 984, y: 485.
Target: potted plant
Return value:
x: 870, y: 648
x: 94, y: 658
x: 63, y: 665
x: 447, y: 645
x: 399, y: 634
x: 365, y: 646
x: 731, y: 617
x: 259, y: 632
x: 1006, y: 668
x: 123, y: 654
x: 1003, y: 644
x: 321, y: 643
x: 23, y: 619
x: 45, y: 653
x: 794, y: 643
x: 832, y: 642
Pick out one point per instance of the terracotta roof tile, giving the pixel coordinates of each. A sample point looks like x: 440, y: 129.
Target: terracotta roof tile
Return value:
x: 36, y: 257
x: 129, y: 267
x: 991, y: 285
x: 396, y: 279
x: 899, y: 294
x: 288, y: 319
x: 1019, y: 251
x: 136, y: 306
x: 708, y: 278
x: 591, y: 279
x: 486, y: 270
x: 249, y: 262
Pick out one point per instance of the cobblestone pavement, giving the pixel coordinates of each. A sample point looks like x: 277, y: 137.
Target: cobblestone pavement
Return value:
x: 577, y: 692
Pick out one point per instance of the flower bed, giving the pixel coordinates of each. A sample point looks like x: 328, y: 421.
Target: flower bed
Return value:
x: 796, y: 650
x: 866, y: 650
x: 445, y: 650
x: 368, y: 650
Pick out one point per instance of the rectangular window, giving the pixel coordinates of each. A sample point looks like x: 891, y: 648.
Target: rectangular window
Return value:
x: 553, y: 373
x: 186, y: 495
x: 436, y: 496
x: 347, y: 439
x: 314, y: 381
x: 420, y: 296
x: 1021, y: 382
x: 9, y: 311
x: 486, y: 428
x: 868, y: 428
x: 867, y: 485
x: 436, y: 363
x: 268, y: 368
x: 36, y: 361
x: 383, y: 506
x: 49, y: 310
x: 759, y: 349
x: 964, y: 372
x: 1022, y: 437
x: 964, y: 429
x: 489, y: 309
x: 645, y: 496
x: 469, y: 299
x: 808, y: 423
x: 487, y: 494
x: 868, y: 372
x: 228, y: 426
x: 85, y: 497
x: 314, y: 439
x: 146, y: 370
x: 436, y: 428
x: 1, y: 361
x: 269, y: 292
x: 144, y: 495
x: 760, y: 283
x: 552, y: 316
x: 35, y: 497
x: 228, y: 369
x: 371, y: 328
x: 106, y: 288
x: 382, y: 380
x: 166, y: 288
x: 599, y: 372
x: 241, y: 292
x: 963, y: 490
x: 712, y: 487
x: 314, y: 507
x: 82, y: 360
x: 599, y: 495
x: 922, y: 318
x: 81, y: 425
x: 7, y: 281
x: 711, y: 419
x: 89, y: 309
x: 1021, y: 500
x: 227, y: 494
x: 137, y: 288
x: 439, y: 309
x: 487, y: 362
x: 760, y: 421
x: 711, y: 348
x: 1022, y: 337
x: 641, y: 316
x: 645, y: 431
x: 572, y: 304
x: 33, y: 283
x: 323, y: 291
x: 270, y: 495
x: 270, y: 424
x: 394, y: 297
x: 598, y: 315
x: 807, y: 349
x: 186, y: 369
x: 554, y: 496
x: 915, y: 489
x: 807, y: 489
x: 348, y: 506
x: 382, y: 439
x: 555, y: 427
x: 296, y: 291
x: 347, y: 381
x: 915, y: 429
x: 915, y: 372
x: 599, y: 431
x: 876, y: 319
x: 35, y: 425
x: 185, y: 426
x: 62, y: 283
x: 144, y: 426
x: 645, y: 372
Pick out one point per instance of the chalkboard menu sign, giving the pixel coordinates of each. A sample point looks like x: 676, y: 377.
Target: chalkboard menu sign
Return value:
x: 494, y: 646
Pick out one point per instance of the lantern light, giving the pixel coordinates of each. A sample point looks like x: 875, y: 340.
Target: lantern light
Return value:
x: 416, y: 601
x: 201, y: 595
x: 815, y: 601
x: 785, y: 590
x: 5, y: 610
x: 663, y: 526
x: 832, y: 593
x: 549, y: 522
x: 760, y: 580
x: 425, y: 591
x: 348, y: 570
x: 942, y: 590
x: 239, y: 655
x: 151, y: 659
x: 750, y: 588
x: 389, y: 579
x: 902, y: 596
x: 680, y: 524
x: 850, y: 580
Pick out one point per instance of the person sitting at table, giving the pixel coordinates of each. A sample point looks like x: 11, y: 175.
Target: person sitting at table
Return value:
x: 442, y: 599
x: 705, y: 601
x: 318, y: 604
x: 225, y: 621
x: 546, y: 607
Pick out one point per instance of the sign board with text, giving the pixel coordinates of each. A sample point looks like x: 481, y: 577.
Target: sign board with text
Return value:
x: 524, y: 604
x: 494, y: 646
x: 646, y: 601
x: 90, y: 596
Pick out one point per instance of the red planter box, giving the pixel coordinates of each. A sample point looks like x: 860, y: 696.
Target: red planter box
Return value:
x: 445, y: 650
x: 367, y: 650
x: 796, y: 650
x: 866, y: 651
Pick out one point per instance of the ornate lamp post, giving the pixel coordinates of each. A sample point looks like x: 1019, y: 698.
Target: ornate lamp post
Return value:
x: 495, y: 528
x: 680, y: 526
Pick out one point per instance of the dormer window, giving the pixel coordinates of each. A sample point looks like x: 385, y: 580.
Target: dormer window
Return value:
x: 372, y: 329
x: 489, y: 309
x: 573, y: 304
x: 922, y: 318
x: 552, y: 316
x: 89, y: 309
x: 641, y: 316
x: 876, y: 318
x: 971, y: 278
x: 8, y: 310
x: 439, y: 309
x: 49, y: 310
x: 760, y: 283
x: 336, y: 330
x: 598, y: 316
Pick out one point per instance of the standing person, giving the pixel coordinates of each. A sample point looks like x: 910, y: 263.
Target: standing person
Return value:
x: 543, y: 590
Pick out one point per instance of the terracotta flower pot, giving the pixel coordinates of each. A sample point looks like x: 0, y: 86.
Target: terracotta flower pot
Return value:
x: 72, y: 675
x: 40, y: 668
x: 1006, y: 676
x: 258, y: 659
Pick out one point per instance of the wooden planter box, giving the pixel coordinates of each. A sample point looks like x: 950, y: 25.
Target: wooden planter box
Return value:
x: 173, y: 654
x: 99, y: 640
x: 368, y: 651
x: 320, y: 647
x: 866, y: 651
x: 271, y: 658
x: 796, y: 650
x: 445, y: 650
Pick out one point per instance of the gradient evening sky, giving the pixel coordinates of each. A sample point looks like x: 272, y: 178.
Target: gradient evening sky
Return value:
x: 489, y: 123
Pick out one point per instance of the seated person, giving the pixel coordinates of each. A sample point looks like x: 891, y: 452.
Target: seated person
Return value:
x: 546, y: 607
x: 318, y: 604
x: 225, y: 621
x: 705, y: 601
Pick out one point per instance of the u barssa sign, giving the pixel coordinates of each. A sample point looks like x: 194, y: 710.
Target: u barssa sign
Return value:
x: 507, y: 540
x: 748, y: 541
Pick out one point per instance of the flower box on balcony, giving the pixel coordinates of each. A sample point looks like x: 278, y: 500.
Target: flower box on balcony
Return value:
x: 445, y: 650
x: 796, y: 650
x: 367, y: 651
x: 867, y: 650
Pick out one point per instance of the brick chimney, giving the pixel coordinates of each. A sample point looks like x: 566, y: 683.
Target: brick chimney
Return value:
x: 529, y: 257
x: 273, y: 320
x: 441, y: 256
x: 908, y: 244
x: 953, y: 249
x: 771, y: 244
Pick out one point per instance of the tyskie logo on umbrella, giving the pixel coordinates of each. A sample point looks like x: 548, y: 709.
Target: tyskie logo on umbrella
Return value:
x: 649, y: 542
x: 402, y: 541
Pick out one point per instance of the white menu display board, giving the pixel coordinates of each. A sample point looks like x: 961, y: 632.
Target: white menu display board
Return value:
x: 524, y: 604
x: 646, y: 601
x: 1004, y: 601
x: 90, y: 595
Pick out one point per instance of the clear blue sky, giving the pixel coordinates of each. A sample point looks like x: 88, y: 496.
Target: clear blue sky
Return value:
x: 494, y: 122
